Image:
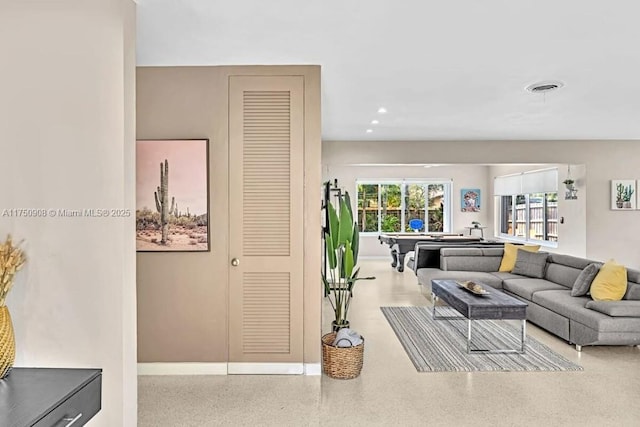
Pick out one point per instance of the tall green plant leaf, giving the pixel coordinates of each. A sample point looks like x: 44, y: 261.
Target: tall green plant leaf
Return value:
x: 345, y: 227
x: 331, y: 251
x: 355, y: 243
x: 347, y: 199
x: 348, y: 260
x: 334, y: 224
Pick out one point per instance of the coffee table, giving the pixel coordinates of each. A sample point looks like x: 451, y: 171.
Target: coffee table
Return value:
x: 495, y: 305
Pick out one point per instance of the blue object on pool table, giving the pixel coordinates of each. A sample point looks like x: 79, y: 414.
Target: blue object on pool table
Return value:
x: 416, y: 224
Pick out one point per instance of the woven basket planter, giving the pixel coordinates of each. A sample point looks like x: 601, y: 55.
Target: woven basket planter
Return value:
x: 341, y: 362
x: 7, y: 342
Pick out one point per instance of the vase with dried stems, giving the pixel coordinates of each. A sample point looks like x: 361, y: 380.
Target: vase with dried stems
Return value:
x: 12, y: 258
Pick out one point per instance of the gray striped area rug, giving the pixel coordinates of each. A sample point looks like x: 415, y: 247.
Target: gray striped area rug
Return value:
x: 440, y: 346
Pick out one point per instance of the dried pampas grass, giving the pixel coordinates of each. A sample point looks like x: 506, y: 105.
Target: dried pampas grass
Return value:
x: 12, y: 258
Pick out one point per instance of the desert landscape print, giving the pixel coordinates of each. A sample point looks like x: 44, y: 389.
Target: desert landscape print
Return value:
x: 171, y: 195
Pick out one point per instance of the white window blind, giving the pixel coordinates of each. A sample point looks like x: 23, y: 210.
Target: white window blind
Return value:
x: 507, y: 185
x: 542, y: 181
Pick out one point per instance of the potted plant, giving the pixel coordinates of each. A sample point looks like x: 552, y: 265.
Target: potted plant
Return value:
x: 342, y: 243
x: 569, y: 183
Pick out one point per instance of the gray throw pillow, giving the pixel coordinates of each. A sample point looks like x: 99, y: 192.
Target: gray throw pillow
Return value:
x: 583, y: 281
x: 530, y: 264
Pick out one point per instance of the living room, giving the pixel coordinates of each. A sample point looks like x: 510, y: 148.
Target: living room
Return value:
x: 593, y: 160
x: 383, y: 91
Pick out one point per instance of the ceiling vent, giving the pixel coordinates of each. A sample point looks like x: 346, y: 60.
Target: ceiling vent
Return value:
x: 544, y: 87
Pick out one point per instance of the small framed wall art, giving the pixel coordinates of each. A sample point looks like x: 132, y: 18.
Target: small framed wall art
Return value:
x: 172, y: 195
x: 470, y: 199
x: 623, y: 194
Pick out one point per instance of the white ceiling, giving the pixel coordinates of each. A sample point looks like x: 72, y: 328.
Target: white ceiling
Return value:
x: 445, y: 70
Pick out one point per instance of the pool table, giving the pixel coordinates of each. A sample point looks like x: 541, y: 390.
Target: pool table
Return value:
x: 402, y: 243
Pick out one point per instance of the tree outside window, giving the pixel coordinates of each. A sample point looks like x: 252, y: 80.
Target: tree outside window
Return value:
x: 388, y: 207
x: 368, y: 207
x: 414, y: 202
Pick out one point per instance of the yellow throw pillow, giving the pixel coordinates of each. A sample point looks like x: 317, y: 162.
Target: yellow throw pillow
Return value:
x: 511, y: 253
x: 610, y: 284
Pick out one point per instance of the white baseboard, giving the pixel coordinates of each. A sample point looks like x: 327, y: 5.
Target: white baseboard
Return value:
x: 313, y: 369
x: 375, y: 257
x: 223, y: 368
x: 266, y: 368
x: 182, y: 368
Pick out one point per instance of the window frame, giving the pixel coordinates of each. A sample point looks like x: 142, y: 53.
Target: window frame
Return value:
x: 447, y: 208
x: 502, y: 219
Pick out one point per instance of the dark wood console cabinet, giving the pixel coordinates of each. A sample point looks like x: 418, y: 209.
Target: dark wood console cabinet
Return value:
x: 49, y: 397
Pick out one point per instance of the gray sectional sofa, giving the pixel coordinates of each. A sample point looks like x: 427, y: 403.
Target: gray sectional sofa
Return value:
x: 578, y: 320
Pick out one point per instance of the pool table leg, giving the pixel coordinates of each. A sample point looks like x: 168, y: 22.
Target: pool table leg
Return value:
x: 401, y: 262
x: 394, y: 258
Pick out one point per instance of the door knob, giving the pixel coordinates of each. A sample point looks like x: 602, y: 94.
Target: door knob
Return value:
x: 235, y: 262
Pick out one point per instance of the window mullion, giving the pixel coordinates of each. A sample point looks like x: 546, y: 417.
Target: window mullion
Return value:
x: 379, y: 208
x: 514, y: 215
x: 526, y: 217
x: 545, y: 218
x: 402, y: 207
x: 425, y: 193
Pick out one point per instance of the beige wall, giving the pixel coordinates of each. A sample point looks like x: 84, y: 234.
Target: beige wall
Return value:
x: 183, y: 297
x: 462, y: 176
x: 66, y: 142
x: 609, y: 234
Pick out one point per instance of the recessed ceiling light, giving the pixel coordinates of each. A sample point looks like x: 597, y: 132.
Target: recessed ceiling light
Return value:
x: 369, y: 130
x: 382, y: 110
x: 544, y: 87
x: 374, y: 122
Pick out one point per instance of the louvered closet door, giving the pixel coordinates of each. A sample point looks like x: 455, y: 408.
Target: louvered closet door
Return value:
x: 266, y: 136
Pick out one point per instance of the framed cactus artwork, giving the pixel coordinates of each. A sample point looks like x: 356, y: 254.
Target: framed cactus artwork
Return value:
x: 623, y: 195
x: 172, y: 195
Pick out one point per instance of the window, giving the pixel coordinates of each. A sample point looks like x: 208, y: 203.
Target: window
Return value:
x: 531, y: 214
x: 368, y: 207
x: 389, y: 206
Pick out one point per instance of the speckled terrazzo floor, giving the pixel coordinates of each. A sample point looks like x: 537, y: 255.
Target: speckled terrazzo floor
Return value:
x: 391, y: 392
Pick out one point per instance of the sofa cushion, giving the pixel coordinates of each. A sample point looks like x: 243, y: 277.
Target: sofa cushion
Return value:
x: 562, y: 274
x: 468, y: 259
x: 526, y: 287
x: 493, y: 252
x: 461, y: 252
x: 565, y: 269
x: 504, y: 275
x: 633, y: 275
x: 561, y: 302
x: 510, y: 253
x: 583, y: 283
x: 530, y: 264
x: 616, y: 308
x: 633, y: 285
x: 610, y: 284
x: 570, y: 261
x: 633, y: 291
